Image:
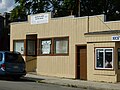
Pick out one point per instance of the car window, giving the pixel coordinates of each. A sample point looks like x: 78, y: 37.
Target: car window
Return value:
x: 0, y: 56
x: 14, y: 58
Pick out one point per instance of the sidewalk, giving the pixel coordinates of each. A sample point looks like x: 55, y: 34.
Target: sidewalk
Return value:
x: 89, y: 85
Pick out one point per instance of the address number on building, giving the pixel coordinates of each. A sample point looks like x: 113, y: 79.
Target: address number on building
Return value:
x: 115, y: 38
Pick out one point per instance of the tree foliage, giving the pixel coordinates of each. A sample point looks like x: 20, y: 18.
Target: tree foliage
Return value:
x: 20, y: 11
x: 61, y: 8
x: 108, y: 7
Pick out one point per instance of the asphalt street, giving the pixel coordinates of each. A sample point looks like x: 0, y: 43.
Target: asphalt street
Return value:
x: 24, y: 84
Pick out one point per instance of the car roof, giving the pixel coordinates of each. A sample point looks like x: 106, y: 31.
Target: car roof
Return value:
x: 9, y: 52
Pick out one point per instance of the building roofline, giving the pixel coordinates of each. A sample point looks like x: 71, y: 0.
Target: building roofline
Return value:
x: 103, y: 32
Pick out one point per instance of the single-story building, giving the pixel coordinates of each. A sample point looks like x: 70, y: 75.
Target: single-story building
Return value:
x: 86, y: 48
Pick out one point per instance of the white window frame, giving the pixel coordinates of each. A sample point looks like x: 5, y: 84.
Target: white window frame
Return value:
x: 103, y: 58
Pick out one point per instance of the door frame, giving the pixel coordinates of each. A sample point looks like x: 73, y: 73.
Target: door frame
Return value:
x: 31, y: 37
x: 31, y: 60
x: 76, y: 58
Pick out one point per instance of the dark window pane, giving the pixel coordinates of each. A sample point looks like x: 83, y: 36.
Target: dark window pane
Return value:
x: 99, y: 56
x: 30, y: 47
x: 108, y: 58
x: 13, y: 58
x: 1, y: 56
x: 119, y: 58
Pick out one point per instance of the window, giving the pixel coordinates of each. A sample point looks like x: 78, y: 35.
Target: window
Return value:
x: 45, y: 46
x: 54, y: 46
x: 31, y: 47
x: 13, y: 58
x: 19, y: 46
x: 1, y: 56
x: 31, y: 44
x: 104, y: 58
x: 118, y: 58
x: 61, y: 46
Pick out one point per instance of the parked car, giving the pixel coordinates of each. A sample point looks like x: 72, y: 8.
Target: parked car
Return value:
x: 12, y: 64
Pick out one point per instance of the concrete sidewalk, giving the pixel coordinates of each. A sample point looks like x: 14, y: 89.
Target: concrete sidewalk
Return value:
x: 89, y: 85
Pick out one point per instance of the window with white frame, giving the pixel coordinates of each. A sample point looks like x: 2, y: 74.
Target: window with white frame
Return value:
x: 19, y: 46
x: 104, y: 58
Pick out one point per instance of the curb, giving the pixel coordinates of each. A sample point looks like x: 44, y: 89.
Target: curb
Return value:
x: 76, y: 86
x: 59, y: 82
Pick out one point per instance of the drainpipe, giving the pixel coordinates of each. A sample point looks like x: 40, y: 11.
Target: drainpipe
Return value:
x: 88, y: 24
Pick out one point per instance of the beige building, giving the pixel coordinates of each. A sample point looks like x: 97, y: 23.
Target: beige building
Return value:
x: 86, y: 48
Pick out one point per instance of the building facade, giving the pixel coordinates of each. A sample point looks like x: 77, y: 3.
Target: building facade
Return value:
x: 86, y: 48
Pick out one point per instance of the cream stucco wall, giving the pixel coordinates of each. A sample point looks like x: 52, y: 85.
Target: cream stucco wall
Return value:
x: 98, y: 23
x: 102, y: 41
x: 99, y: 75
x: 61, y: 66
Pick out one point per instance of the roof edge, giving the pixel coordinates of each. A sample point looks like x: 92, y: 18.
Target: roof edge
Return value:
x: 103, y: 32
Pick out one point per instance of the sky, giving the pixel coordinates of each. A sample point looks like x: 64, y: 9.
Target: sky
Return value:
x: 6, y: 5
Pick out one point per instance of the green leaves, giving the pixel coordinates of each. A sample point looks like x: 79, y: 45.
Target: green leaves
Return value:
x: 61, y: 8
x: 95, y: 7
x: 18, y: 14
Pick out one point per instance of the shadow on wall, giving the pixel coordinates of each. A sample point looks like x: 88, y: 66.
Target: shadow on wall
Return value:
x: 31, y: 63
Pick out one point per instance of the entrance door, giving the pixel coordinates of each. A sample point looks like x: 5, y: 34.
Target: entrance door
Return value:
x: 81, y: 62
x: 31, y: 52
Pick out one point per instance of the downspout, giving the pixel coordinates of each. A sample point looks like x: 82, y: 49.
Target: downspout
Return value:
x: 88, y: 24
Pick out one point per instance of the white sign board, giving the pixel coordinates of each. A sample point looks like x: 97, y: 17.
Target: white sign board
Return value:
x: 46, y: 47
x: 115, y: 38
x: 39, y: 18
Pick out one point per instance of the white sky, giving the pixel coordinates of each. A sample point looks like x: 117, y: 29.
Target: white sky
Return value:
x: 6, y: 5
